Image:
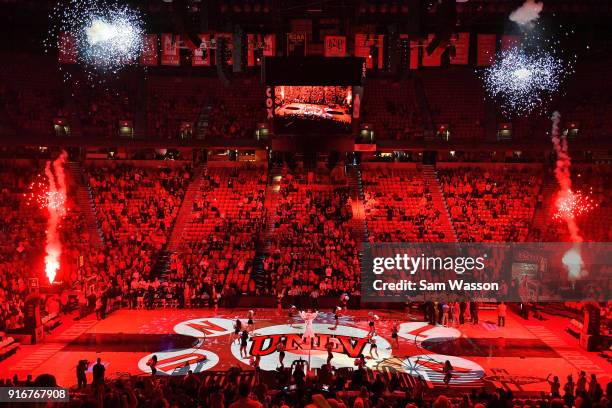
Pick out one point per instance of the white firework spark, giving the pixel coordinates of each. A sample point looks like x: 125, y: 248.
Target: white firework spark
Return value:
x: 523, y: 80
x: 108, y: 36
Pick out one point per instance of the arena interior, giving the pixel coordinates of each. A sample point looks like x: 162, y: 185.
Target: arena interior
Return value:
x: 195, y: 196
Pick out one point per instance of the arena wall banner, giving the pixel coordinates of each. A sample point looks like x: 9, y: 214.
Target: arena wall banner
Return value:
x: 433, y: 60
x: 252, y: 41
x: 335, y: 46
x: 66, y: 45
x: 229, y: 46
x: 362, y: 49
x: 268, y: 41
x: 198, y: 59
x: 462, y: 49
x: 491, y: 272
x: 509, y: 41
x: 170, y: 49
x: 148, y: 57
x: 269, y: 45
x: 414, y: 55
x: 486, y: 46
x: 363, y: 45
x: 296, y: 44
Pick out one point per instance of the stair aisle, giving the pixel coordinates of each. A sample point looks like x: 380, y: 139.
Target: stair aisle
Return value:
x: 85, y: 202
x: 430, y: 177
x: 271, y: 201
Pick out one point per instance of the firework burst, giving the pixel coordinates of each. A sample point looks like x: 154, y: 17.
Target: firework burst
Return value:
x: 108, y: 36
x: 522, y: 80
x: 570, y: 205
x: 40, y: 196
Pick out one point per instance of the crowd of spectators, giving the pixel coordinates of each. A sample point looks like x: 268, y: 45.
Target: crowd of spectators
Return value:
x: 22, y: 239
x: 292, y: 387
x: 390, y: 107
x: 311, y: 248
x: 135, y: 209
x: 101, y: 108
x: 237, y: 110
x: 229, y: 111
x: 218, y: 244
x: 30, y: 93
x: 491, y: 204
x: 399, y: 206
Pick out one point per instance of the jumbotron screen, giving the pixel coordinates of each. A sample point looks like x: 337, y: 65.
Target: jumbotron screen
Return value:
x: 303, y: 108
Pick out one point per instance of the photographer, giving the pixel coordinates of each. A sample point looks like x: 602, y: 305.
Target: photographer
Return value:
x: 81, y: 368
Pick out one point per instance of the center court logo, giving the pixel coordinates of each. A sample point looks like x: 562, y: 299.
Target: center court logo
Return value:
x: 348, y: 343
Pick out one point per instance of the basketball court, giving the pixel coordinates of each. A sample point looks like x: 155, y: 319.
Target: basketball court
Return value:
x: 518, y: 357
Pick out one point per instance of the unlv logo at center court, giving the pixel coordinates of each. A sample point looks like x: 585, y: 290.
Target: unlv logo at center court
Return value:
x: 348, y: 343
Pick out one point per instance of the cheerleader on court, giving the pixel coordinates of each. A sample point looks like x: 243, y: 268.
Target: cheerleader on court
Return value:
x: 373, y: 348
x: 237, y: 329
x: 244, y: 337
x: 337, y: 312
x: 330, y: 351
x: 372, y: 324
x: 448, y: 373
x: 279, y: 302
x: 394, y: 336
x: 292, y: 312
x: 344, y: 298
x: 281, y: 353
x: 250, y: 323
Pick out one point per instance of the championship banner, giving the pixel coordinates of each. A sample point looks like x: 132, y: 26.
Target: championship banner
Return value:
x: 201, y: 56
x: 509, y: 41
x: 363, y: 47
x: 335, y: 46
x: 462, y: 49
x: 257, y: 40
x: 269, y: 45
x: 252, y: 40
x: 67, y: 49
x: 148, y: 56
x: 170, y: 49
x: 229, y: 46
x: 296, y: 44
x: 435, y: 58
x: 485, y: 45
x: 414, y: 55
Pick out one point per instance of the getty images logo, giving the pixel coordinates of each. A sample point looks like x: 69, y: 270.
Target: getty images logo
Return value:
x: 413, y: 264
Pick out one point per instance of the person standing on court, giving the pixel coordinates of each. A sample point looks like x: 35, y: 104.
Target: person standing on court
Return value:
x: 98, y: 374
x: 501, y: 314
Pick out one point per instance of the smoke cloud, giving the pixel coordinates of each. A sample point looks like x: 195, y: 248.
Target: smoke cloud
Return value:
x: 572, y: 259
x: 527, y: 13
x: 56, y: 206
